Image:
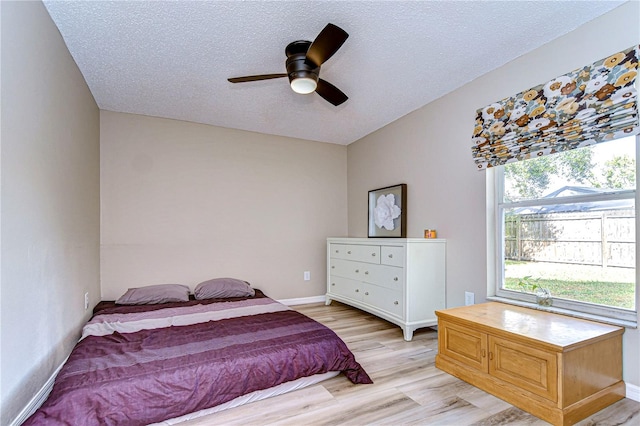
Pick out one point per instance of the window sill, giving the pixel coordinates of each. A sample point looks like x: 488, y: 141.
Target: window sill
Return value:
x: 561, y: 311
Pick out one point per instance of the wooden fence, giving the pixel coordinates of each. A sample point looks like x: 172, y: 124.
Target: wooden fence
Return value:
x: 604, y: 238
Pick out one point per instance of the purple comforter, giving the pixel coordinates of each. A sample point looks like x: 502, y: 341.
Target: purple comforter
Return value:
x: 146, y: 366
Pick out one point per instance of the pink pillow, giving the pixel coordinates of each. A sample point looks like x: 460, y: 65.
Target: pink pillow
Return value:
x: 223, y: 288
x: 160, y: 293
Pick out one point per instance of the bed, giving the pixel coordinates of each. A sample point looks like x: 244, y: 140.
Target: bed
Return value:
x: 166, y: 362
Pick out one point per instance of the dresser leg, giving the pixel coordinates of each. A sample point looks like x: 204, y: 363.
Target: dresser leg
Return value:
x: 327, y: 301
x: 408, y: 333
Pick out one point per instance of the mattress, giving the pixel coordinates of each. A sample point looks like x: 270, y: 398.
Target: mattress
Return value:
x: 138, y: 365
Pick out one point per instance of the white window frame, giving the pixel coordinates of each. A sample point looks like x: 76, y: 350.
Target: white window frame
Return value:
x: 495, y: 253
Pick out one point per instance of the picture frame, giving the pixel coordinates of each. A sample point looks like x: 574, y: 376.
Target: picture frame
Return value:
x: 388, y: 212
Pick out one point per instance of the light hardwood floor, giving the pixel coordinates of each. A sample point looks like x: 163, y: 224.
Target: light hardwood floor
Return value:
x: 408, y: 388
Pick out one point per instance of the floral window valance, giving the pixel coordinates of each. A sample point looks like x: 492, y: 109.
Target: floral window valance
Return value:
x: 593, y: 104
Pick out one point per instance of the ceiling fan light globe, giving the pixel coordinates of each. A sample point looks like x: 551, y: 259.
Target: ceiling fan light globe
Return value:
x: 303, y: 85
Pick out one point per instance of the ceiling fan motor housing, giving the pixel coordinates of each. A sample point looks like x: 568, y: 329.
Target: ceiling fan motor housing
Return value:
x: 297, y: 67
x: 297, y: 64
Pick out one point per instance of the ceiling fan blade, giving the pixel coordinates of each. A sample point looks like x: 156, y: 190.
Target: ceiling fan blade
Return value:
x: 255, y: 78
x: 326, y: 44
x: 330, y: 93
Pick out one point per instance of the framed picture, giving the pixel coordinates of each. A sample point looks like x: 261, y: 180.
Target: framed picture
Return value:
x: 388, y: 212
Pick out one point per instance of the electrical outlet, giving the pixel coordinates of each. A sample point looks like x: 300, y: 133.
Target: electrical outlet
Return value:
x: 86, y: 301
x: 469, y: 298
x: 307, y: 275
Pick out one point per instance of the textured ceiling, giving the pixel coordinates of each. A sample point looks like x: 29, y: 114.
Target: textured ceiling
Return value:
x: 172, y: 58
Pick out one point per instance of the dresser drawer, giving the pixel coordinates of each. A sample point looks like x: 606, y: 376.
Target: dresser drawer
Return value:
x: 392, y: 255
x: 383, y: 298
x: 386, y: 276
x: 359, y: 253
x: 346, y: 287
x: 348, y: 269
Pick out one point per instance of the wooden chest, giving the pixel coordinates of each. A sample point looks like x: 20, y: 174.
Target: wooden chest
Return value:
x: 558, y: 368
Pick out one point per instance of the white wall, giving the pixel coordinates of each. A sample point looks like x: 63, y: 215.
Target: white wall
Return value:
x: 50, y: 203
x: 185, y: 202
x: 430, y: 151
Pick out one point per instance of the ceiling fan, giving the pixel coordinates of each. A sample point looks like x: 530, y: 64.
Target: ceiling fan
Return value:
x: 304, y: 59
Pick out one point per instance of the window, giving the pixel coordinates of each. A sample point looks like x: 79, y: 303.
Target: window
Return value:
x: 566, y: 223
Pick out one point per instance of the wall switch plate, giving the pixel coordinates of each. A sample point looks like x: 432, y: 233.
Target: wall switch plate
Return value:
x: 307, y: 275
x: 86, y: 301
x: 469, y: 298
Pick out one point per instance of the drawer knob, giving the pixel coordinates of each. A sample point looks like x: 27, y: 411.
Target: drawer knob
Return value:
x: 366, y: 272
x: 337, y: 251
x: 349, y: 252
x: 333, y: 283
x: 366, y: 293
x: 373, y: 254
x: 390, y: 256
x: 395, y: 278
x: 357, y: 270
x: 333, y: 267
x: 357, y: 291
x: 395, y: 303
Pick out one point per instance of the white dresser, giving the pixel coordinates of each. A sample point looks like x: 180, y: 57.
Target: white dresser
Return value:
x: 399, y: 279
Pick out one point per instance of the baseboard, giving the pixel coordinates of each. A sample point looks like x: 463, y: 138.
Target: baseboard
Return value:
x: 38, y: 398
x: 633, y: 392
x: 303, y: 300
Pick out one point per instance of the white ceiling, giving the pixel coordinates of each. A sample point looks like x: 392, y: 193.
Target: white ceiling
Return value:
x: 172, y: 58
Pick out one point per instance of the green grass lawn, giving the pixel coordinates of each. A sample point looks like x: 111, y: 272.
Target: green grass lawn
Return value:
x: 605, y: 286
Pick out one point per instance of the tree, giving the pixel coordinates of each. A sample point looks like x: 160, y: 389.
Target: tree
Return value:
x: 620, y: 172
x: 531, y: 178
x: 577, y: 165
x: 528, y: 178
